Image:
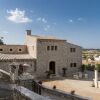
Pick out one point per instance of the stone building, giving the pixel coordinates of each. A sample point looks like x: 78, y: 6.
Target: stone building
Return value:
x: 42, y: 54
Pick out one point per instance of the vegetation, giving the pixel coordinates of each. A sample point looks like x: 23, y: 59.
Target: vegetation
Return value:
x: 90, y: 52
x: 1, y: 41
x: 49, y: 73
x: 97, y: 67
x: 64, y: 71
x: 83, y: 68
x: 90, y: 67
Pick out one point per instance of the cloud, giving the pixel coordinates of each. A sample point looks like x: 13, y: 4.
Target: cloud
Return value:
x: 5, y: 32
x: 18, y: 16
x: 42, y: 19
x: 70, y: 20
x: 47, y: 27
x: 39, y: 19
x: 79, y: 19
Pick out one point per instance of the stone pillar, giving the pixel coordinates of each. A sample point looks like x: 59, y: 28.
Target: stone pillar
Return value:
x: 96, y: 78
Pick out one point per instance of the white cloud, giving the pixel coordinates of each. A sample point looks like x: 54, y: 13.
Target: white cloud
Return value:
x: 18, y: 16
x: 79, y: 19
x: 39, y: 19
x: 5, y: 32
x: 42, y: 19
x: 47, y: 27
x: 70, y: 20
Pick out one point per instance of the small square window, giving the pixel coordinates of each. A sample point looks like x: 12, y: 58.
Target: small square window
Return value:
x: 11, y: 49
x: 20, y: 49
x: 74, y: 49
x: 48, y: 47
x: 55, y: 47
x: 71, y: 49
x: 52, y: 47
x: 1, y: 49
x: 74, y: 64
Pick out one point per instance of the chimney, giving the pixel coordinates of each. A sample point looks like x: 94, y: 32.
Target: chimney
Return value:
x: 28, y: 32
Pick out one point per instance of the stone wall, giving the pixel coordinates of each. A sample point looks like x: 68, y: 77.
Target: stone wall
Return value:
x: 31, y: 43
x: 60, y: 95
x: 62, y: 56
x: 13, y: 49
x: 55, y: 94
x: 5, y: 65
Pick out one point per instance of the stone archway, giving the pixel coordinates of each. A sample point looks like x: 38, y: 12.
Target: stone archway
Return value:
x: 52, y: 67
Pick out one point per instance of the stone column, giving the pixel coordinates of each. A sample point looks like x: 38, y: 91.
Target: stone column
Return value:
x: 96, y: 77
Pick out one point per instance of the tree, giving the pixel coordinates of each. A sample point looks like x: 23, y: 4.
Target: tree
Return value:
x: 1, y: 41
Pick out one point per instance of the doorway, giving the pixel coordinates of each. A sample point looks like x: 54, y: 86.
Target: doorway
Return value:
x: 52, y: 67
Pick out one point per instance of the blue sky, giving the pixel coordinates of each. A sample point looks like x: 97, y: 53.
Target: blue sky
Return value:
x: 77, y: 21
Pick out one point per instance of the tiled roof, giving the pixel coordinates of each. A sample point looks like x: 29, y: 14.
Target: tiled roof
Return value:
x: 47, y: 38
x: 15, y: 57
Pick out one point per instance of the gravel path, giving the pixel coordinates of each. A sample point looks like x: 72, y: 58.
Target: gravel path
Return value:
x: 81, y: 87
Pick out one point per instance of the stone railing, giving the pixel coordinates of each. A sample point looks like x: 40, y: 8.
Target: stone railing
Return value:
x: 55, y: 94
x: 40, y: 92
x: 22, y: 93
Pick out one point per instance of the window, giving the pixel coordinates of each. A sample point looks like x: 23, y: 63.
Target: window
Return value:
x: 20, y: 49
x: 48, y: 47
x: 11, y: 49
x: 52, y: 47
x: 1, y: 49
x: 55, y: 47
x: 72, y: 49
x: 74, y: 64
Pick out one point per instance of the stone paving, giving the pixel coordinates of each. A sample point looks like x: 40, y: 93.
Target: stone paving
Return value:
x: 81, y: 87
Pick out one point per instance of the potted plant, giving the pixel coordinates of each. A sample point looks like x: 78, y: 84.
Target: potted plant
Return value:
x: 64, y: 71
x: 49, y: 73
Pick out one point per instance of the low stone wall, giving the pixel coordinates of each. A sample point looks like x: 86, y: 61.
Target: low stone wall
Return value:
x: 21, y: 93
x: 45, y: 92
x: 56, y: 94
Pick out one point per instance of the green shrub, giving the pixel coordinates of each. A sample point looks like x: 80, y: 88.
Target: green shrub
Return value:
x: 98, y: 67
x: 90, y: 67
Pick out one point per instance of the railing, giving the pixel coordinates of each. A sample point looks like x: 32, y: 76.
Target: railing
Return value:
x: 40, y: 92
x: 22, y: 93
x: 55, y: 94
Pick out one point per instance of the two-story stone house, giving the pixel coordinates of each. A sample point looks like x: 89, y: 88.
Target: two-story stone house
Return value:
x: 42, y: 54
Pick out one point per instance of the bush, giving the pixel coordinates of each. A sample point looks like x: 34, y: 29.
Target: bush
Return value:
x: 90, y: 67
x: 83, y: 68
x: 98, y: 67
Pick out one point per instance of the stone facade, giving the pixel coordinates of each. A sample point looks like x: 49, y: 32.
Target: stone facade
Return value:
x: 58, y: 52
x: 48, y: 53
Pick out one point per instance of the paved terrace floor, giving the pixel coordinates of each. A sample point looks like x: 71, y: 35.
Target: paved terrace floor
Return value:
x: 81, y: 87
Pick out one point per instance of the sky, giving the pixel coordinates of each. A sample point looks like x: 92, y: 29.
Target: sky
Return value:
x: 77, y: 21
